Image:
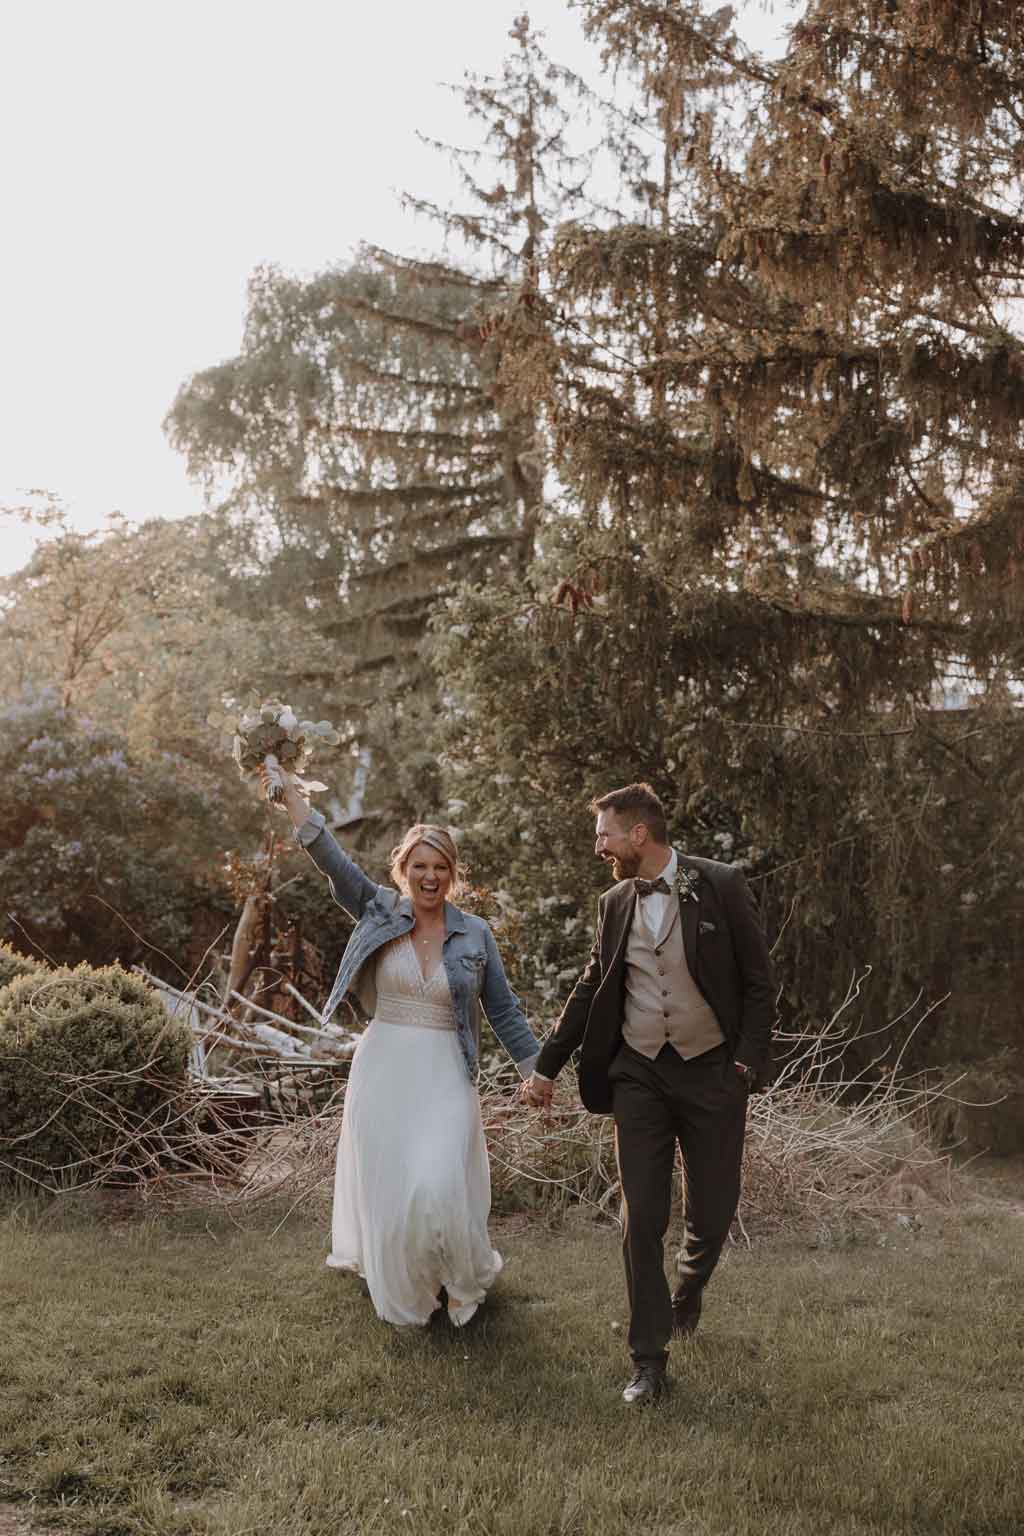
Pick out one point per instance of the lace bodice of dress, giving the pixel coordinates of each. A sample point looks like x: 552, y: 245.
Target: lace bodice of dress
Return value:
x: 403, y: 997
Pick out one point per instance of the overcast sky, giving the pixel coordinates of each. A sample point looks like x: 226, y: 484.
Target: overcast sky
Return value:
x: 157, y: 152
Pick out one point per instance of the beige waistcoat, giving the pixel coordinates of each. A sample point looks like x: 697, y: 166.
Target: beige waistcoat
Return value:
x: 663, y: 1003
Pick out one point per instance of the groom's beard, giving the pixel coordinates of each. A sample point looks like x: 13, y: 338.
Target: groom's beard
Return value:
x: 625, y: 866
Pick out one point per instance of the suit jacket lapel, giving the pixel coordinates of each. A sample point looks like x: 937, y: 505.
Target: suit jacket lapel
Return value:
x: 620, y: 912
x: 689, y: 912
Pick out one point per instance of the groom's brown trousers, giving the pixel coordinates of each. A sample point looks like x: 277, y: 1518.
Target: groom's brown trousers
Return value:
x: 702, y: 1104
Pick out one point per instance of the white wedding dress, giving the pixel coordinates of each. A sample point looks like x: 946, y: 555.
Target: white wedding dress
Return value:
x: 412, y: 1190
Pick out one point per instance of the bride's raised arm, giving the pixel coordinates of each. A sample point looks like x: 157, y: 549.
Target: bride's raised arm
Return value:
x: 350, y: 887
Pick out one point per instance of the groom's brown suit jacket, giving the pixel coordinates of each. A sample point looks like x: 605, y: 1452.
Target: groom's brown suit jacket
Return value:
x: 728, y: 958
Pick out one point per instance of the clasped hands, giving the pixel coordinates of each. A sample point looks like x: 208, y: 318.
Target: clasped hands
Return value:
x: 538, y: 1092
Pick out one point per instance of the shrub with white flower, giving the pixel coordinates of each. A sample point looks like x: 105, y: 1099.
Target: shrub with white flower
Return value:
x: 271, y: 736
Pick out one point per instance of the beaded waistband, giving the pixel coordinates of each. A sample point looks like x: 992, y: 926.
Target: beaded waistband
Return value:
x: 415, y: 1011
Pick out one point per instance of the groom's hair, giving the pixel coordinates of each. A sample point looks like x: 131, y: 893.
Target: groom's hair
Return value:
x: 636, y: 802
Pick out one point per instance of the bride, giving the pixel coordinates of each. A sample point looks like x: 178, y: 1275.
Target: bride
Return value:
x: 412, y: 1188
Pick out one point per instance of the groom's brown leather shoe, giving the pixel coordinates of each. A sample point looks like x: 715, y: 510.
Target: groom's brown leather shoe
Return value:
x: 646, y: 1386
x: 686, y: 1314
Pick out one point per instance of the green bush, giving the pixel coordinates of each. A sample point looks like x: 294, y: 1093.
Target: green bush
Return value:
x: 91, y: 1062
x: 13, y: 965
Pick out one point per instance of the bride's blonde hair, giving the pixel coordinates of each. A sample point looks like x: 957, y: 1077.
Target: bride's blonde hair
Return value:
x: 442, y: 842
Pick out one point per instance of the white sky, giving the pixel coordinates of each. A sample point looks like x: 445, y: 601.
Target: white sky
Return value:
x: 156, y: 152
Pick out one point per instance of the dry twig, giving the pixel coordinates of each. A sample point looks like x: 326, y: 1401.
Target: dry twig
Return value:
x: 823, y: 1148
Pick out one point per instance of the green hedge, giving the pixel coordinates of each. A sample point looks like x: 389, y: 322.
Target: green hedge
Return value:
x: 90, y: 1062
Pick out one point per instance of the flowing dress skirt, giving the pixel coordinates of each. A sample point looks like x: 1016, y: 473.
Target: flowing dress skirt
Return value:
x: 412, y: 1190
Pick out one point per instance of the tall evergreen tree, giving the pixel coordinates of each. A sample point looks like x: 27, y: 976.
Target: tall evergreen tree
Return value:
x: 365, y: 451
x: 785, y: 401
x: 821, y: 371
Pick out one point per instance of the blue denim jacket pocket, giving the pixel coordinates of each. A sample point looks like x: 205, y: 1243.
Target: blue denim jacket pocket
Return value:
x: 470, y: 974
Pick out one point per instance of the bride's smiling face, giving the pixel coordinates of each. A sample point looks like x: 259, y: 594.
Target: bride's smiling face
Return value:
x: 429, y: 877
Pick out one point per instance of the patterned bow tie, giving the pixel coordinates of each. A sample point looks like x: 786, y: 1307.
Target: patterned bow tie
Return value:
x: 648, y: 887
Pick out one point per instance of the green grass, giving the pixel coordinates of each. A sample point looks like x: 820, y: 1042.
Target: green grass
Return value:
x: 170, y: 1377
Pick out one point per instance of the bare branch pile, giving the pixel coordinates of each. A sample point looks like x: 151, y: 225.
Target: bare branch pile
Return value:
x: 825, y: 1151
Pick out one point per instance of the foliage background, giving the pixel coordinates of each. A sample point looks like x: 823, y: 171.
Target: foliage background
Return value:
x: 692, y: 453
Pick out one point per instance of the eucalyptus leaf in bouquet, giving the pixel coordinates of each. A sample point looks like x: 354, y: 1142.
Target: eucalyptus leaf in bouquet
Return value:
x: 271, y: 736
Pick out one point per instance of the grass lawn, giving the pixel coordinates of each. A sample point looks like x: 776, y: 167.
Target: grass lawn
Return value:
x: 175, y: 1376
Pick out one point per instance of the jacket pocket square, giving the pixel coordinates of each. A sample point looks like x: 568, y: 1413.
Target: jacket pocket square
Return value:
x: 706, y: 927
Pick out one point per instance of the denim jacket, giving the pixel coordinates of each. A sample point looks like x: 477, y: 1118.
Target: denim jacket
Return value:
x: 470, y: 955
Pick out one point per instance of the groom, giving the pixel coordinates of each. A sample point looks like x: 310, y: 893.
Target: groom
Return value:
x: 673, y: 1014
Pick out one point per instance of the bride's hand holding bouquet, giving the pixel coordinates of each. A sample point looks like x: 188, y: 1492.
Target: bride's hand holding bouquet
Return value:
x: 291, y: 799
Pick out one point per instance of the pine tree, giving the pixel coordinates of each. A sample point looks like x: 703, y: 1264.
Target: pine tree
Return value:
x: 785, y: 400
x: 827, y: 406
x: 368, y: 451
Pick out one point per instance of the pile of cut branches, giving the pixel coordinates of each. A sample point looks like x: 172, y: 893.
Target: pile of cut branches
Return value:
x: 823, y: 1150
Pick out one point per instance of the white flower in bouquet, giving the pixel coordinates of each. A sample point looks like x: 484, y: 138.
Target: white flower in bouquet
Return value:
x: 271, y: 736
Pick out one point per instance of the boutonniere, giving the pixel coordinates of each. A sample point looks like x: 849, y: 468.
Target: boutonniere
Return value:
x: 685, y: 884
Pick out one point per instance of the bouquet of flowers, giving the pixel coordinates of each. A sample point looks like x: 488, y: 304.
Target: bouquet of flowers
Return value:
x: 271, y: 736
